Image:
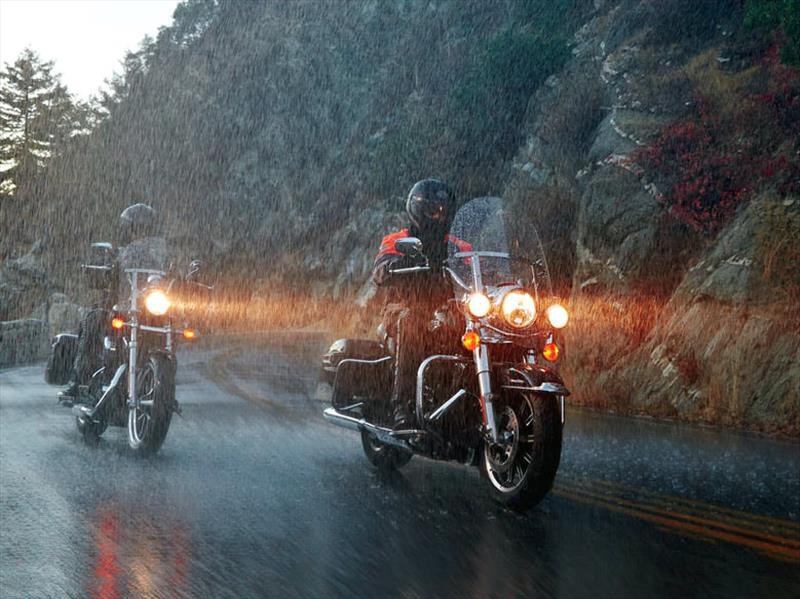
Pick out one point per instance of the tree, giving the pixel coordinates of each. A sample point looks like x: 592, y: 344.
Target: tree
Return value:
x: 37, y: 117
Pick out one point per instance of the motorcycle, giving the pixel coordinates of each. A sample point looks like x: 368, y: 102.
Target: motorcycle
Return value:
x: 135, y: 387
x: 495, y: 399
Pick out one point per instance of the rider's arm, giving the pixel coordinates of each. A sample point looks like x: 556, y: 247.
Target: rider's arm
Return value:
x: 389, y: 258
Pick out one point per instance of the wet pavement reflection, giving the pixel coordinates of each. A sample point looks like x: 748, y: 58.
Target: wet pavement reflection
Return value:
x: 245, y: 500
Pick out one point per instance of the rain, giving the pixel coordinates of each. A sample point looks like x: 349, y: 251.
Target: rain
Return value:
x: 630, y: 166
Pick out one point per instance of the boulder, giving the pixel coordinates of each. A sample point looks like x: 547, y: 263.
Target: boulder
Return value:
x: 63, y: 316
x: 23, y: 284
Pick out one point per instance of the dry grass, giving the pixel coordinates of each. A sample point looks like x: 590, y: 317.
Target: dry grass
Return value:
x: 724, y: 90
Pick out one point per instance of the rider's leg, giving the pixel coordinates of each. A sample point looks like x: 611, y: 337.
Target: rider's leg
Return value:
x: 89, y: 355
x: 410, y: 352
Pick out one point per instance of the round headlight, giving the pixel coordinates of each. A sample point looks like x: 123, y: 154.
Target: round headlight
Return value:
x: 478, y: 305
x: 157, y: 302
x: 558, y: 316
x: 519, y: 309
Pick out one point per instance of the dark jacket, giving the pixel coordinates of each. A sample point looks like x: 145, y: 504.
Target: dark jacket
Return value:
x: 429, y: 288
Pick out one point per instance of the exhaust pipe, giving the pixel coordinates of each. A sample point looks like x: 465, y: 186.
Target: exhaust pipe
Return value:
x: 88, y: 412
x: 384, y: 435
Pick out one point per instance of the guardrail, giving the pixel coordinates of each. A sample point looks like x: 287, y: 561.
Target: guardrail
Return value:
x: 23, y: 341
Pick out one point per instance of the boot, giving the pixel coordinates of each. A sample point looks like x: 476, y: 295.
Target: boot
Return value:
x: 402, y: 411
x: 402, y: 415
x: 69, y: 395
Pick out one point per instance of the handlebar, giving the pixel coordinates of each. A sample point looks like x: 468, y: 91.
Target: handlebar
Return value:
x: 409, y: 270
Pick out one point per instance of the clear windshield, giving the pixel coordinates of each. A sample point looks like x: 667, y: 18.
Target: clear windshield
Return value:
x: 501, y: 251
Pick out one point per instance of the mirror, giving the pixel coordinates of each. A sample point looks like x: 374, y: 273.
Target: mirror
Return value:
x: 194, y: 268
x: 409, y: 246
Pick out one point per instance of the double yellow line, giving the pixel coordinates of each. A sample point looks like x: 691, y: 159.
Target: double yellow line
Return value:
x: 771, y: 536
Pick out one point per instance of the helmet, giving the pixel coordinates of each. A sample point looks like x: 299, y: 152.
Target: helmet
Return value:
x: 137, y: 221
x: 430, y: 206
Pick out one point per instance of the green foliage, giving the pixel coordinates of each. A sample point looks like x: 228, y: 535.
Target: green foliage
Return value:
x: 37, y: 118
x: 763, y: 17
x: 491, y: 102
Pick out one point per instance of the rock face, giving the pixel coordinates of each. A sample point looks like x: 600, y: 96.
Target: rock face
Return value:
x: 666, y: 321
x: 63, y: 316
x: 23, y: 284
x: 22, y: 341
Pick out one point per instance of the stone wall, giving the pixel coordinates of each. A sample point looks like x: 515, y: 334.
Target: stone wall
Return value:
x: 23, y: 341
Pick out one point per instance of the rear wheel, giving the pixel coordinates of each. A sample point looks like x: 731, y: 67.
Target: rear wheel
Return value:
x: 148, y: 422
x: 521, y: 467
x: 382, y: 456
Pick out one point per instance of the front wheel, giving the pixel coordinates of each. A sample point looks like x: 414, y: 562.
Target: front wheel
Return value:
x: 521, y: 467
x: 148, y: 422
x: 384, y: 457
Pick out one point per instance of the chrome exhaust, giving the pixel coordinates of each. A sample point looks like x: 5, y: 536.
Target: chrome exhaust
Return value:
x: 88, y: 412
x: 384, y: 435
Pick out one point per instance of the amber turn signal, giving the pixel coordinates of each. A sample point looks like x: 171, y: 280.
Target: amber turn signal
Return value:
x: 117, y: 323
x: 550, y: 352
x: 471, y: 340
x: 189, y: 334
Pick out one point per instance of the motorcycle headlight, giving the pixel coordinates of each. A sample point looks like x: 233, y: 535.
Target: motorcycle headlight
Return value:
x: 157, y: 302
x: 479, y: 305
x: 518, y: 308
x: 558, y: 316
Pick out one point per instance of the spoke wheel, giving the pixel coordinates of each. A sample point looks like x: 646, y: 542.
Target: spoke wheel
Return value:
x: 149, y: 419
x: 521, y: 466
x: 140, y: 416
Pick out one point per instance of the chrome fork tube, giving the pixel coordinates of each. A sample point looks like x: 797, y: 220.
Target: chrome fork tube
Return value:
x: 481, y: 355
x: 134, y: 344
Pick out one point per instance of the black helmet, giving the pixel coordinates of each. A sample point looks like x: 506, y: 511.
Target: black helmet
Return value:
x: 430, y: 206
x: 137, y: 221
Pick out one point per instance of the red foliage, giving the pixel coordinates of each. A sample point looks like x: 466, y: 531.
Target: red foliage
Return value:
x: 706, y: 167
x: 706, y: 182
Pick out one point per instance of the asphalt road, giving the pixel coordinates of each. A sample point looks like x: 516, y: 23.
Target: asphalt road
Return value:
x: 254, y: 495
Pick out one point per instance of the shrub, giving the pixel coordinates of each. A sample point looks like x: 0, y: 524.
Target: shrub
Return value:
x: 490, y: 103
x: 743, y: 135
x: 705, y: 182
x: 766, y: 17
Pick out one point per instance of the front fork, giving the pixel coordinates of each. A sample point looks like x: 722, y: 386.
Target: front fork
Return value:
x: 133, y: 346
x: 481, y: 357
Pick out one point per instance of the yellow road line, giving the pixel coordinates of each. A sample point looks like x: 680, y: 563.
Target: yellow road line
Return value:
x: 700, y: 507
x: 707, y: 522
x: 773, y: 546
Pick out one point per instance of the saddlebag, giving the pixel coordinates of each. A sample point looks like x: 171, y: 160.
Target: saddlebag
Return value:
x: 357, y: 369
x: 346, y: 349
x: 58, y: 370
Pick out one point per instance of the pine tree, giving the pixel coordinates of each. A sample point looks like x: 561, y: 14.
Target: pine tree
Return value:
x: 37, y: 116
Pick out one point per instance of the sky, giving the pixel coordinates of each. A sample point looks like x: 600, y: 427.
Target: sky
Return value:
x: 85, y: 39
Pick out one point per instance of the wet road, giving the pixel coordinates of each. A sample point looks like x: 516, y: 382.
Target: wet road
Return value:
x: 254, y: 494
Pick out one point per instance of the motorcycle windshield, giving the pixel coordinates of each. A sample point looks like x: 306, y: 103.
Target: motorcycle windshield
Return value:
x: 491, y: 248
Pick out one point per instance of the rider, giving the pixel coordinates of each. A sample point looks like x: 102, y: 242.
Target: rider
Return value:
x: 140, y: 246
x: 412, y: 298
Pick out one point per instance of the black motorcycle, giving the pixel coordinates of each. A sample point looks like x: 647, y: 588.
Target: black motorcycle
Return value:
x: 135, y: 387
x: 494, y: 399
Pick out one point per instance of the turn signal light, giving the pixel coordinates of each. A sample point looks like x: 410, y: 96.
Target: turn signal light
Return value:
x: 117, y: 323
x: 550, y: 352
x: 189, y: 334
x: 471, y: 340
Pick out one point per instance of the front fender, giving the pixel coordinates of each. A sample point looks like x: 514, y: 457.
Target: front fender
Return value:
x: 166, y: 361
x: 534, y: 378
